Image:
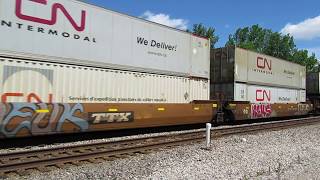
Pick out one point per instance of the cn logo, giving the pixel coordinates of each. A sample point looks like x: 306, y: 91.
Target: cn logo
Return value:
x: 32, y: 97
x: 54, y: 11
x: 263, y: 63
x: 263, y: 95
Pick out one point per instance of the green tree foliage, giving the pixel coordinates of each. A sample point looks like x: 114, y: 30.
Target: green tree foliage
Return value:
x: 302, y: 57
x: 201, y: 30
x: 275, y: 44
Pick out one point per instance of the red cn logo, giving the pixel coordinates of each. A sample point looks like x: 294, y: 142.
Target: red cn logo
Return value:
x: 264, y: 63
x: 29, y: 97
x: 263, y: 95
x: 54, y: 11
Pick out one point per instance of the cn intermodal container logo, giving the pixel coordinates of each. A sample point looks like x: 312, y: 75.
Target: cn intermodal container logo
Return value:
x: 263, y: 65
x: 54, y: 13
x: 263, y: 95
x: 77, y: 20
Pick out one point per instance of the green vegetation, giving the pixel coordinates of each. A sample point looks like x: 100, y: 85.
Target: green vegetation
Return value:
x: 272, y: 43
x: 201, y: 30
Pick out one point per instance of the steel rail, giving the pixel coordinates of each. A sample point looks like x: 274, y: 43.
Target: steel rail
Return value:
x: 41, y: 159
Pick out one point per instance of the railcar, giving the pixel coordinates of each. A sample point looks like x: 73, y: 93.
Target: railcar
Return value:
x: 67, y: 66
x: 91, y: 69
x: 313, y: 91
x: 251, y: 85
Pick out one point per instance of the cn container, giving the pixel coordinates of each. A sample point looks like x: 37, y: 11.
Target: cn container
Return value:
x: 242, y: 75
x: 83, y: 34
x: 34, y: 81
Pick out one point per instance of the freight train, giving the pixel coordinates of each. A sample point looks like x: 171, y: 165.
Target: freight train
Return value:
x: 69, y: 67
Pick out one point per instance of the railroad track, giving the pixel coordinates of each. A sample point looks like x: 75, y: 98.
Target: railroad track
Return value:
x: 42, y: 160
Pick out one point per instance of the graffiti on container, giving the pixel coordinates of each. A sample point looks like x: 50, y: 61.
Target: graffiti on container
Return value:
x: 261, y: 110
x: 39, y: 118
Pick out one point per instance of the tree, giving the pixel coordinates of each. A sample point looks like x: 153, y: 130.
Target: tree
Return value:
x: 275, y: 44
x: 302, y: 57
x: 278, y: 45
x: 249, y: 38
x: 201, y: 30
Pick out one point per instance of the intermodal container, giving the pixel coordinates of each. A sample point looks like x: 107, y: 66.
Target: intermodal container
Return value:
x: 232, y: 64
x: 270, y: 95
x: 35, y: 81
x: 313, y: 83
x: 262, y: 69
x: 243, y: 75
x: 73, y: 32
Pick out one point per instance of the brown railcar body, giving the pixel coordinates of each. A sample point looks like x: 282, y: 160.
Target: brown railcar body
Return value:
x: 29, y: 119
x: 245, y: 111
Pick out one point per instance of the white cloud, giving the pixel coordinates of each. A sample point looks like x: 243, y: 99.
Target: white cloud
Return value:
x: 315, y: 50
x: 306, y: 30
x: 165, y: 19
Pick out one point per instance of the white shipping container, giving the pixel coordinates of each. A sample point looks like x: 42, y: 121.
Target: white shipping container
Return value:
x: 32, y: 81
x: 70, y: 31
x: 264, y: 94
x: 199, y: 89
x: 255, y: 68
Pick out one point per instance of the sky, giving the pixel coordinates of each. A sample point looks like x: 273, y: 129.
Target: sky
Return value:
x: 299, y: 18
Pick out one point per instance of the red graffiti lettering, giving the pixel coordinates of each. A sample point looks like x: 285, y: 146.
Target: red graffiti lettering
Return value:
x: 261, y: 110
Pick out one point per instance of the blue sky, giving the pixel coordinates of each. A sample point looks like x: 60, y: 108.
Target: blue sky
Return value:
x: 300, y: 18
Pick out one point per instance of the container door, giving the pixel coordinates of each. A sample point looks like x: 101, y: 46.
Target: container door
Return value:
x: 200, y: 57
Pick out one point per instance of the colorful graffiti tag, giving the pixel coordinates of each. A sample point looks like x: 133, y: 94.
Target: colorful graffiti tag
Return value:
x: 40, y: 118
x: 261, y: 110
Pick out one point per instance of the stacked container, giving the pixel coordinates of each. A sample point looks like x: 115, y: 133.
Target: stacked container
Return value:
x: 242, y: 75
x: 90, y: 54
x: 313, y: 82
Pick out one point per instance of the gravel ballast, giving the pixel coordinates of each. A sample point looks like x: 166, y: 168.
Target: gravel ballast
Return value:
x: 286, y: 154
